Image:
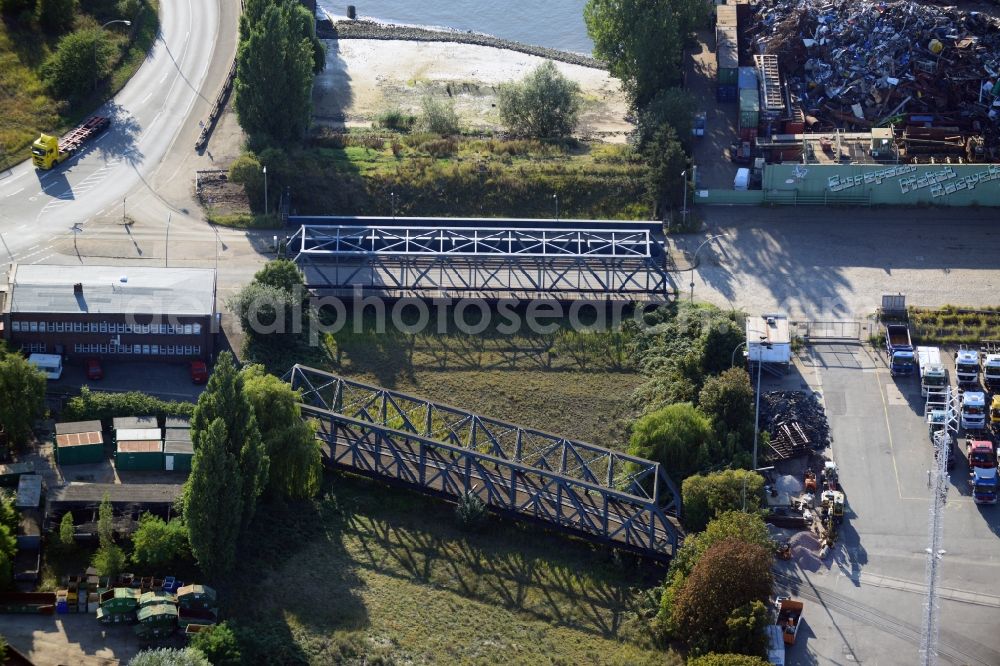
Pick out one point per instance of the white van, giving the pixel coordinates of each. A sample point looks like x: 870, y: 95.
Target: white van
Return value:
x: 50, y: 364
x: 742, y: 180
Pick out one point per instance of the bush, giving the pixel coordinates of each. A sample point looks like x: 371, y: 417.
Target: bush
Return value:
x: 157, y: 543
x: 18, y: 8
x: 219, y: 645
x: 545, y: 104
x: 707, y: 495
x: 471, y: 512
x: 714, y: 659
x: 438, y: 116
x: 72, y: 71
x: 67, y: 539
x: 91, y: 405
x: 170, y: 657
x: 396, y: 119
x: 678, y: 436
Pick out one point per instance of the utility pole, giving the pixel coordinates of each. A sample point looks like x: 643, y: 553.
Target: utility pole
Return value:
x: 265, y: 189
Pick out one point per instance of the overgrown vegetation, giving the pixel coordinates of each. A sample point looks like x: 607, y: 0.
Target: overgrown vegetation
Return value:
x: 47, y: 63
x: 425, y: 174
x: 386, y: 576
x: 954, y: 325
x: 22, y: 386
x: 9, y: 519
x: 98, y: 405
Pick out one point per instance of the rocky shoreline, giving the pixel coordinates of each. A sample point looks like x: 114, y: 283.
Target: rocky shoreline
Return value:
x: 348, y: 29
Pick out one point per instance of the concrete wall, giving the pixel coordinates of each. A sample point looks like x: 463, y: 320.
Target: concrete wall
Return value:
x: 898, y: 184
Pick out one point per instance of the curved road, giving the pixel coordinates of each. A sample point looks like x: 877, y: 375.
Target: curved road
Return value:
x: 158, y: 108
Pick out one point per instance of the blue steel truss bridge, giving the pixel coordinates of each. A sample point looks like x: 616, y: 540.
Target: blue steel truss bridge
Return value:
x: 496, y: 258
x: 597, y: 494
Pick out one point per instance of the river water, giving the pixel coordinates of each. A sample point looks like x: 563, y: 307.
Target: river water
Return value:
x: 557, y: 24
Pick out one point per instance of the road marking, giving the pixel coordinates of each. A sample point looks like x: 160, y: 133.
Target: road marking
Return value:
x: 888, y: 428
x: 15, y: 192
x: 146, y: 98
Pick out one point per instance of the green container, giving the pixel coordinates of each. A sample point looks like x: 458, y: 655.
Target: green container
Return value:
x: 139, y: 462
x: 105, y: 617
x: 196, y: 597
x: 749, y: 119
x: 728, y: 76
x: 157, y: 615
x: 749, y: 100
x: 80, y: 454
x: 119, y: 600
x: 151, y: 598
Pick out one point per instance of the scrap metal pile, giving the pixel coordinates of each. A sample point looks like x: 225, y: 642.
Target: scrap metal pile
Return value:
x: 795, y: 421
x: 876, y: 63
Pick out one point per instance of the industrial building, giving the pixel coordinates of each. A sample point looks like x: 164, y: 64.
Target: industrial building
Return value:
x: 82, y: 312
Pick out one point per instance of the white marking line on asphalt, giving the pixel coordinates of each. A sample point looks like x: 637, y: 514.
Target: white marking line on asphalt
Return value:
x: 888, y: 428
x: 38, y: 261
x: 32, y: 248
x: 146, y: 98
x: 14, y: 192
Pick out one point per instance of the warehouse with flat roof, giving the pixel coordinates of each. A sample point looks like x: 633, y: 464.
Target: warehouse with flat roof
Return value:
x: 110, y: 312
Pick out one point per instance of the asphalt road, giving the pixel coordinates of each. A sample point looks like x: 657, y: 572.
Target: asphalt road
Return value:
x: 864, y: 604
x: 820, y: 263
x: 157, y: 108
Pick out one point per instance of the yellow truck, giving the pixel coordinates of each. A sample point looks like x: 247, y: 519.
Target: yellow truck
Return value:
x: 47, y: 151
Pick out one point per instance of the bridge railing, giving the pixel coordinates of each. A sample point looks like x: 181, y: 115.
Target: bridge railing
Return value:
x: 641, y: 479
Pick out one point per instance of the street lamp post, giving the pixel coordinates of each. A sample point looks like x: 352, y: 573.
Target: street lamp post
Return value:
x: 392, y: 204
x: 265, y: 189
x: 555, y: 197
x: 166, y: 244
x: 684, y: 208
x: 732, y: 357
x: 96, y: 39
x: 694, y: 259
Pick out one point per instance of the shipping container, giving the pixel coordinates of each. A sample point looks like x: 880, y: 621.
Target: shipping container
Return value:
x: 79, y: 443
x: 29, y: 491
x: 749, y: 108
x: 748, y: 134
x: 199, y: 597
x: 726, y: 94
x: 747, y: 77
x: 139, y: 455
x: 727, y: 56
x: 725, y: 16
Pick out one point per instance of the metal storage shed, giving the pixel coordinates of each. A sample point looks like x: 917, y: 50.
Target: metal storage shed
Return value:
x: 79, y: 443
x: 178, y: 450
x: 139, y: 455
x: 138, y: 434
x: 134, y: 422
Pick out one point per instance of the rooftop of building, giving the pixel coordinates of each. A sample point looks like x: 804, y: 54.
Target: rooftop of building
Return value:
x: 40, y: 288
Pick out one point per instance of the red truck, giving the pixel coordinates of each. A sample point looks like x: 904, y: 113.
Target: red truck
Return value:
x: 980, y: 453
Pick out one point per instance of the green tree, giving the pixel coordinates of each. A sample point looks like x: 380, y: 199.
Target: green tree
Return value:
x: 728, y: 399
x: 667, y: 161
x: 438, y: 115
x: 9, y: 514
x: 219, y: 645
x: 71, y: 70
x: 746, y: 527
x: 745, y: 629
x: 106, y: 522
x: 20, y: 9
x: 722, y: 333
x: 8, y: 549
x: 213, y: 501
x: 271, y: 318
x: 643, y: 41
x: 273, y: 89
x: 670, y: 106
x: 67, y: 531
x: 58, y: 16
x: 678, y: 436
x: 156, y: 542
x: 706, y: 495
x: 170, y: 657
x: 730, y: 576
x: 109, y: 560
x: 714, y: 659
x: 545, y: 104
x: 225, y: 399
x: 22, y: 386
x: 281, y: 274
x: 295, y: 467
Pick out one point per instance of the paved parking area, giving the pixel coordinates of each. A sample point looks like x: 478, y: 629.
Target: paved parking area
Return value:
x: 864, y: 604
x: 171, y: 381
x: 69, y: 639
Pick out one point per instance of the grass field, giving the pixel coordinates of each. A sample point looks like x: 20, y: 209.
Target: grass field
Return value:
x: 373, y: 575
x: 27, y: 109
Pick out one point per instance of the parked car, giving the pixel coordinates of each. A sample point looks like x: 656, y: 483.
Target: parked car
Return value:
x: 199, y: 372
x: 94, y: 369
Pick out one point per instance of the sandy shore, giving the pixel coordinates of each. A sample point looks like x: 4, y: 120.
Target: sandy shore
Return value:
x: 365, y: 77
